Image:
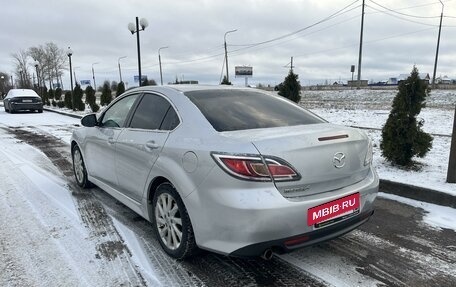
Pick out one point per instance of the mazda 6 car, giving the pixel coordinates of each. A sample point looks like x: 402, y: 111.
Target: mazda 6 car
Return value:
x: 21, y: 100
x: 235, y: 171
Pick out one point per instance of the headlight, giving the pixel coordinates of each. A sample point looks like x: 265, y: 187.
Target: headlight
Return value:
x: 369, y: 154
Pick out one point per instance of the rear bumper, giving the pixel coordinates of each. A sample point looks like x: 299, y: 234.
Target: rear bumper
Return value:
x: 286, y: 245
x: 26, y: 106
x: 241, y: 221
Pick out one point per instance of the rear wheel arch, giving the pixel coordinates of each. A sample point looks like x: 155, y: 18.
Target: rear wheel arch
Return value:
x: 152, y: 188
x: 73, y: 143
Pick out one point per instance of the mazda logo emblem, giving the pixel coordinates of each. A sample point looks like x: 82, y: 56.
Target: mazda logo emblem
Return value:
x: 339, y: 160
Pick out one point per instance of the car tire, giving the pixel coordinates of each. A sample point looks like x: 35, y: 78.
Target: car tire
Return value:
x: 40, y: 111
x: 79, y: 169
x: 172, y: 224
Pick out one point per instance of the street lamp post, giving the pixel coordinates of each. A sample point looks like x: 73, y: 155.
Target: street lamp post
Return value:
x: 21, y: 83
x: 37, y: 64
x: 120, y: 71
x: 135, y: 29
x: 2, y: 78
x: 438, y: 44
x: 69, y: 54
x: 160, y: 64
x: 93, y: 76
x: 226, y: 55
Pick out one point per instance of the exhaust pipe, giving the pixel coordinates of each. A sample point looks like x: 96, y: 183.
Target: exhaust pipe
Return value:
x: 267, y: 254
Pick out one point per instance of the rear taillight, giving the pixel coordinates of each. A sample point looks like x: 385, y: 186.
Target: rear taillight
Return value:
x: 254, y: 167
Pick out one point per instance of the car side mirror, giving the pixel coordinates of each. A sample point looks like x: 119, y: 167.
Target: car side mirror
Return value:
x: 89, y: 120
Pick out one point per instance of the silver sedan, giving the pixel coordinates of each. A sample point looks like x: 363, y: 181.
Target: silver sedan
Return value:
x: 235, y: 171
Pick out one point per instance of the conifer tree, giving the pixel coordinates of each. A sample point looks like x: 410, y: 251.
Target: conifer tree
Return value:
x: 91, y: 99
x: 106, y: 94
x: 58, y: 94
x: 68, y: 101
x: 120, y: 89
x: 51, y: 94
x: 291, y: 87
x: 78, y: 104
x: 402, y: 136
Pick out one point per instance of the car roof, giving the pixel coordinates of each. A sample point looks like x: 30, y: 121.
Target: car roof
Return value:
x: 188, y: 88
x: 22, y: 93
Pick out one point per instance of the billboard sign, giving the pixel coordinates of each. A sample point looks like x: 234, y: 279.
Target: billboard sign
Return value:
x: 243, y: 71
x: 143, y: 78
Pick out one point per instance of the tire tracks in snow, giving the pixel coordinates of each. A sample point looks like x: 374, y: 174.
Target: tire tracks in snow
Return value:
x: 110, y: 247
x: 97, y: 210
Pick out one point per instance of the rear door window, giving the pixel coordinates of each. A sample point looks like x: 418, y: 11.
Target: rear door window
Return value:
x: 152, y: 113
x: 232, y: 110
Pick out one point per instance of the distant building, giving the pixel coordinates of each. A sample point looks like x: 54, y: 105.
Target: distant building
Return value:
x: 423, y: 76
x: 354, y: 83
x: 392, y: 81
x: 443, y: 80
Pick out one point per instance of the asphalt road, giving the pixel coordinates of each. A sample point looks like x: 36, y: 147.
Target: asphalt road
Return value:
x: 395, y: 248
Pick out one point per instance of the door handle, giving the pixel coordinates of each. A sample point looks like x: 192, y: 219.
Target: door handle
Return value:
x: 150, y: 145
x: 111, y: 141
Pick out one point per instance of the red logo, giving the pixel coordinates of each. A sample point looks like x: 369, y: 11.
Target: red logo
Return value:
x: 332, y: 209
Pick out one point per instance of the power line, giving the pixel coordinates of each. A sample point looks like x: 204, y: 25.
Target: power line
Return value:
x: 366, y: 42
x: 240, y: 51
x: 338, y: 13
x: 249, y: 46
x: 403, y: 14
x: 401, y: 18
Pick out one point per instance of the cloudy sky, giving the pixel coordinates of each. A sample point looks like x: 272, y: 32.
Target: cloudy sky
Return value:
x: 322, y: 36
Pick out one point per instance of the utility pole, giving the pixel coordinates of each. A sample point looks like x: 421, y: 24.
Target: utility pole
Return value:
x: 360, y: 46
x: 160, y: 64
x: 226, y: 55
x: 118, y: 64
x: 451, y: 175
x: 291, y: 63
x: 437, y: 50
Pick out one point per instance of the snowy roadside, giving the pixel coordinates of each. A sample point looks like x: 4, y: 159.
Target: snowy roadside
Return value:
x: 361, y: 108
x: 44, y: 240
x: 366, y: 257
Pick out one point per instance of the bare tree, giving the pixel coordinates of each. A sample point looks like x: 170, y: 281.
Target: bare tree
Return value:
x: 21, y: 69
x: 39, y: 54
x: 52, y: 61
x: 58, y: 60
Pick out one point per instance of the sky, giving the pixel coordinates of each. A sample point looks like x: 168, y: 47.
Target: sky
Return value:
x: 322, y: 37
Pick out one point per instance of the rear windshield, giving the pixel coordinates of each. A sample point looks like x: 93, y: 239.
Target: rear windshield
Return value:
x: 233, y: 110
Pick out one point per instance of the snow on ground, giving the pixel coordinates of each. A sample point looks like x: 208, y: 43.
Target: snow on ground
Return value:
x: 49, y: 225
x: 362, y: 108
x: 43, y: 241
x: 370, y: 108
x: 436, y: 215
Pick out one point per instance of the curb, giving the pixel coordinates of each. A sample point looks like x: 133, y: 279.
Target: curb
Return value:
x: 417, y: 193
x: 63, y: 113
x: 386, y: 186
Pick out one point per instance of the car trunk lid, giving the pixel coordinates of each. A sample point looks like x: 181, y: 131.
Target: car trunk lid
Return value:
x: 326, y: 156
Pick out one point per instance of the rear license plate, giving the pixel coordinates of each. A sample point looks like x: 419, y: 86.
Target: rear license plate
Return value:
x: 333, y: 209
x: 27, y: 101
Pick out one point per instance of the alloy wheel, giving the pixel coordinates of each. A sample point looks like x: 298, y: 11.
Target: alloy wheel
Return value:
x: 169, y: 221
